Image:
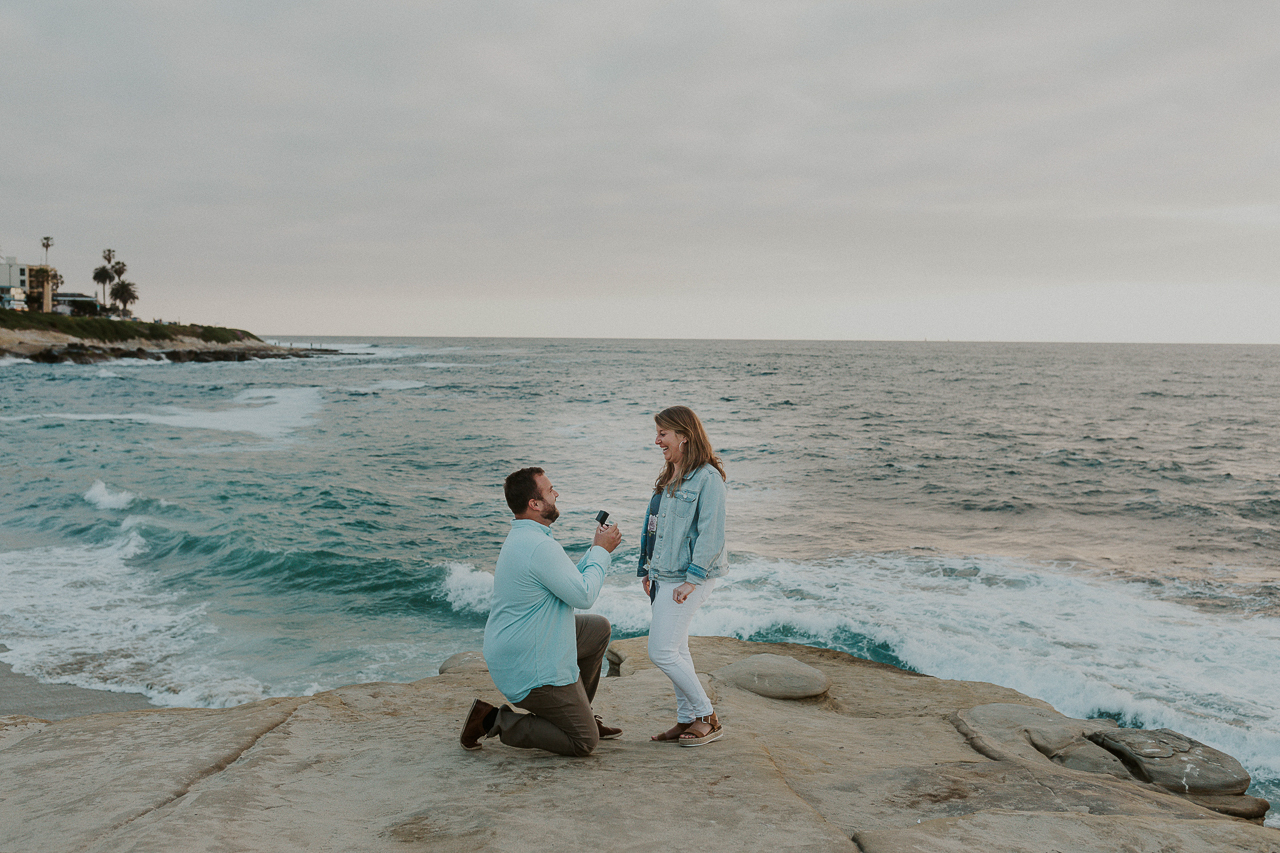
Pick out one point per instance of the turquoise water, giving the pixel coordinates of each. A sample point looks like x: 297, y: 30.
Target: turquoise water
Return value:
x: 1091, y: 525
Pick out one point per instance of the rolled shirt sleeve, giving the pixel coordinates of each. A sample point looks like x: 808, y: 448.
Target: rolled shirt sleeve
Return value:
x: 577, y: 586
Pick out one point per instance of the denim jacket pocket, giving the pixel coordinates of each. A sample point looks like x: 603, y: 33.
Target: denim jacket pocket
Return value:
x: 685, y: 501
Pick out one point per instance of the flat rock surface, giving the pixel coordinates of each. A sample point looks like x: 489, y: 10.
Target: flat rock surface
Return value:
x: 377, y: 767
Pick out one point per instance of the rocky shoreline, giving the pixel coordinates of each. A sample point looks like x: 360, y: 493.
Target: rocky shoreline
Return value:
x: 45, y: 347
x: 822, y: 752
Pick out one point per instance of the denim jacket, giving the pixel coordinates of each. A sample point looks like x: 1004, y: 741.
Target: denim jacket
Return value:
x: 689, y: 542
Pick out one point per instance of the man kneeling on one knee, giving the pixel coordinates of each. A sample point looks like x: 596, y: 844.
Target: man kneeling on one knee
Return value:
x: 541, y: 656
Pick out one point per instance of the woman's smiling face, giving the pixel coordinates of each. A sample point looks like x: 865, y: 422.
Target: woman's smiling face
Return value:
x: 672, y: 444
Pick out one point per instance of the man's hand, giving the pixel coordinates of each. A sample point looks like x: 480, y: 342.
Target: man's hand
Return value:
x: 608, y: 537
x: 644, y: 582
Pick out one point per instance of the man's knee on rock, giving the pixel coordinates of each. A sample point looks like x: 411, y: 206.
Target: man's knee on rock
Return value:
x: 584, y: 746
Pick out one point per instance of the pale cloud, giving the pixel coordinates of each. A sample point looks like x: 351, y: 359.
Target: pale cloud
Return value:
x: 409, y: 168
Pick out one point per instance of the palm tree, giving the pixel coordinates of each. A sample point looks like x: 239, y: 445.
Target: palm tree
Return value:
x: 107, y: 276
x: 104, y: 276
x: 46, y: 242
x: 118, y: 269
x: 125, y: 293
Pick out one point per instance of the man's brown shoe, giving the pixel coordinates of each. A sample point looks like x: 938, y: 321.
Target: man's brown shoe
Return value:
x: 607, y: 732
x: 474, y: 727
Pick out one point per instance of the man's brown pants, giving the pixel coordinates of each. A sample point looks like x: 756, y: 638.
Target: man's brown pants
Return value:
x: 560, y: 719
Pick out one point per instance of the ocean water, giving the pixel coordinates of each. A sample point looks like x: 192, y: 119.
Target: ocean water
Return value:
x: 1093, y: 525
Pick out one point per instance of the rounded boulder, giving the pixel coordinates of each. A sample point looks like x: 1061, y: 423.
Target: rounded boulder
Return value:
x: 775, y: 676
x: 465, y: 662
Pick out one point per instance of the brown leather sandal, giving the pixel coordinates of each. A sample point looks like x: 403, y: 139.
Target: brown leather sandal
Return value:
x: 672, y: 733
x: 702, y: 730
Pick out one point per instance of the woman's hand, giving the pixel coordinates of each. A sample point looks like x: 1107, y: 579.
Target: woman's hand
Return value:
x: 682, y: 592
x: 644, y: 582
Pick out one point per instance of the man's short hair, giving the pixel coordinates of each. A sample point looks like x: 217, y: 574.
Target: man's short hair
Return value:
x: 522, y: 487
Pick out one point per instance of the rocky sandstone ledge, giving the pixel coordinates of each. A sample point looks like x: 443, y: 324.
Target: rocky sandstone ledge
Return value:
x: 868, y: 758
x: 47, y: 347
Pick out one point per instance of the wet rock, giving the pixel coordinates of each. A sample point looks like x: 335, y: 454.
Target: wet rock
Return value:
x: 1174, y: 762
x: 89, y: 354
x: 58, y: 355
x: 1164, y: 758
x: 139, y: 353
x: 1235, y: 805
x: 775, y: 676
x: 205, y: 356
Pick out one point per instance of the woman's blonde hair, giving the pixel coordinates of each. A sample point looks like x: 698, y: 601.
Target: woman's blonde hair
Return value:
x: 697, y: 448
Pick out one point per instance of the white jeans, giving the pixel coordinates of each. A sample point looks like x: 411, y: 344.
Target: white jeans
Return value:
x: 669, y: 647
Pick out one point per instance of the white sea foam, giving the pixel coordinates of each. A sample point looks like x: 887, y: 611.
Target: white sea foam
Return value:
x: 1085, y: 645
x: 267, y: 412
x: 390, y: 661
x: 467, y: 588
x: 389, y: 385
x: 339, y: 366
x: 104, y: 498
x: 82, y: 615
x: 103, y: 373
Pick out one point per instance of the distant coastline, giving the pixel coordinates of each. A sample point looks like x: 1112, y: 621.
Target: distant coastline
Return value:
x: 52, y: 339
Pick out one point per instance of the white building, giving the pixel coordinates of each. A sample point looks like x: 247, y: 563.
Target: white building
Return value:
x: 13, y: 284
x: 66, y: 303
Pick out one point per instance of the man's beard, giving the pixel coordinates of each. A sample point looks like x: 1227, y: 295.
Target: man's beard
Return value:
x: 550, y: 515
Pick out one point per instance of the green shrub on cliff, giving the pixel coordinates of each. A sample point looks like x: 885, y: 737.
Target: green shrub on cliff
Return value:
x: 219, y: 335
x: 116, y: 331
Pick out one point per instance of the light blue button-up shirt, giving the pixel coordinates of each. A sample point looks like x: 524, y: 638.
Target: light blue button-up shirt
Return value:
x: 530, y: 639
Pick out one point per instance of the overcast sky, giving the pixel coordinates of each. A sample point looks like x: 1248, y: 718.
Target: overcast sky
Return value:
x: 970, y: 170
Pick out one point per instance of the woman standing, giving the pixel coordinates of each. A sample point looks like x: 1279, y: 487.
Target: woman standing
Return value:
x: 682, y: 552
